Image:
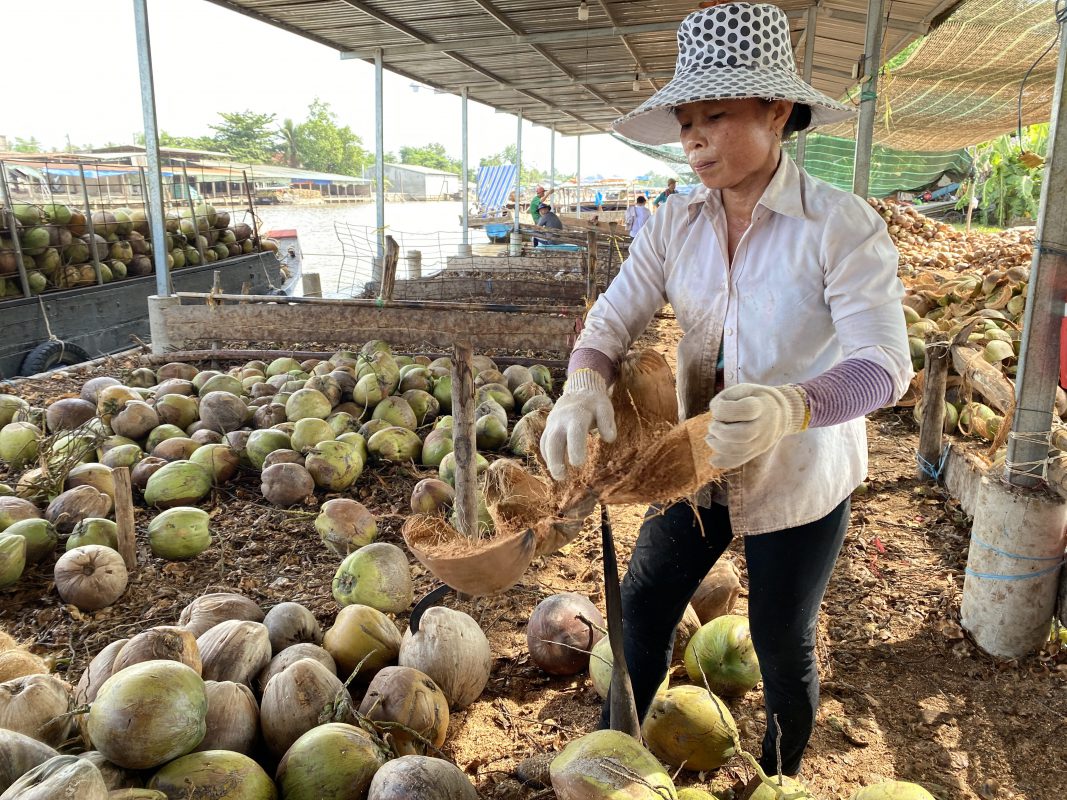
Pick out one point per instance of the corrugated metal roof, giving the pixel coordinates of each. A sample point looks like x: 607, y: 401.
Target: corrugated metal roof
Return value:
x: 536, y: 55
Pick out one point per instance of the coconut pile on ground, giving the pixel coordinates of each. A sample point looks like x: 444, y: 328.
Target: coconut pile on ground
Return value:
x: 59, y: 244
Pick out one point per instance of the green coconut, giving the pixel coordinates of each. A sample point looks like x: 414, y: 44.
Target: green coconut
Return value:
x: 342, y: 422
x: 9, y: 404
x: 524, y: 393
x: 721, y: 653
x: 93, y: 530
x: 148, y: 714
x: 424, y: 405
x: 371, y: 427
x: 304, y: 403
x: 442, y: 392
x: 163, y: 432
x: 334, y: 465
x: 178, y: 410
x: 368, y: 391
x: 263, y: 442
x: 219, y: 383
x: 431, y: 495
x: 214, y: 774
x: 395, y: 444
x: 490, y: 433
x: 893, y: 790
x: 356, y: 440
x: 362, y: 638
x: 281, y: 366
x: 27, y: 213
x: 601, y: 662
x: 180, y: 532
x: 179, y: 483
x: 609, y: 765
x: 377, y: 575
x: 309, y: 432
x: 13, y: 558
x: 397, y: 412
x: 787, y: 785
x: 40, y: 535
x: 34, y: 241
x: 219, y: 459
x: 345, y: 525
x: 436, y: 446
x: 447, y: 468
x: 124, y: 455
x: 335, y: 761
x: 498, y: 392
x: 689, y: 727
x: 19, y: 443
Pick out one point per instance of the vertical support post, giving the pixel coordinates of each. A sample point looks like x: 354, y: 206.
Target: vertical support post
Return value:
x: 552, y: 158
x: 124, y: 519
x: 392, y: 256
x: 872, y: 64
x: 192, y: 214
x: 809, y: 63
x: 89, y: 224
x: 463, y: 440
x: 251, y: 209
x: 590, y: 266
x: 464, y: 169
x: 379, y: 151
x: 151, y: 146
x: 12, y: 226
x: 518, y: 169
x: 578, y: 178
x: 1038, y: 374
x: 935, y: 376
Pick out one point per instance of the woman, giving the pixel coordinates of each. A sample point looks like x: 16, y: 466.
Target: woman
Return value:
x: 787, y: 294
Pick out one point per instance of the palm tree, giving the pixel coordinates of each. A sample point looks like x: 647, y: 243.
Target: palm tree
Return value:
x: 288, y: 133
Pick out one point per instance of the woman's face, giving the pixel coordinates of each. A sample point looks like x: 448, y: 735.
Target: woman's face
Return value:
x: 732, y: 144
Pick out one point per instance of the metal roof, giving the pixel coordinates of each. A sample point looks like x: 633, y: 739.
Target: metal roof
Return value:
x: 536, y: 55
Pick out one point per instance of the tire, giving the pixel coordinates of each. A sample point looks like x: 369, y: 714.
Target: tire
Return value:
x: 52, y: 354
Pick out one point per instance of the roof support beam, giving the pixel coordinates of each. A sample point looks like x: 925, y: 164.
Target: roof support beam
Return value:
x: 639, y: 65
x: 555, y: 83
x: 892, y: 24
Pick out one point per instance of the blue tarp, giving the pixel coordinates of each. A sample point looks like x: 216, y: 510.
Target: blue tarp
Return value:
x: 494, y: 185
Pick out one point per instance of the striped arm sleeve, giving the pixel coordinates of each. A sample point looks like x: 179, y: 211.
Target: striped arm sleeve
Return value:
x: 591, y: 358
x: 848, y: 390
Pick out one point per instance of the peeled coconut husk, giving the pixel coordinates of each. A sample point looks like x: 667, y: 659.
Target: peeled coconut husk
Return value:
x: 452, y: 649
x: 410, y: 698
x: 683, y: 632
x: 299, y: 698
x: 165, y: 642
x: 718, y: 592
x: 422, y: 777
x: 289, y: 624
x: 98, y: 671
x: 234, y: 650
x: 37, y: 705
x: 17, y: 663
x: 291, y: 655
x: 115, y: 777
x: 209, y: 610
x: 7, y: 642
x: 19, y: 754
x: 232, y: 717
x: 60, y: 776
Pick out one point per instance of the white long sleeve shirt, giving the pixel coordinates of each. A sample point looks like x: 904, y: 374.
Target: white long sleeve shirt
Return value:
x: 636, y: 217
x: 813, y: 281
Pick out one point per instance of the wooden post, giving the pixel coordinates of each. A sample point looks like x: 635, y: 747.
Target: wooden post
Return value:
x: 127, y: 529
x: 933, y: 400
x: 392, y: 256
x: 590, y: 267
x: 464, y: 445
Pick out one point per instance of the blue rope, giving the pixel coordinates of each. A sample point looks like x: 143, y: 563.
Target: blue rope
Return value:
x: 928, y: 469
x: 992, y: 576
x: 998, y: 551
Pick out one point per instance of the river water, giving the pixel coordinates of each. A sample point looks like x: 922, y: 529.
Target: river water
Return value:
x: 339, y: 242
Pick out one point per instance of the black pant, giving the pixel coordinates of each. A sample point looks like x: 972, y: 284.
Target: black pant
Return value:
x: 788, y: 572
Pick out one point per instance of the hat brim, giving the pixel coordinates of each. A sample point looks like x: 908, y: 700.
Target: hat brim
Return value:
x: 653, y: 123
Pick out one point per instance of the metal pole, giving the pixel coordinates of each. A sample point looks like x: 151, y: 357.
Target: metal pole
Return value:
x: 151, y: 146
x: 192, y: 215
x: 1038, y: 373
x: 465, y: 167
x: 379, y: 152
x: 518, y: 168
x: 12, y: 227
x: 872, y: 64
x: 89, y: 224
x: 552, y: 158
x: 809, y: 63
x: 578, y: 177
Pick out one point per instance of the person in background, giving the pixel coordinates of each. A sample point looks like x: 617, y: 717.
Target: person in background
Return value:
x: 547, y: 219
x: 540, y: 196
x: 661, y: 198
x: 637, y: 215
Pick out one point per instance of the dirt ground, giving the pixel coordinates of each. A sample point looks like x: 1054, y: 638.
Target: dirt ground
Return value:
x: 905, y: 694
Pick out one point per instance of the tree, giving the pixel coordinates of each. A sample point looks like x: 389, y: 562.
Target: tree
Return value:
x: 326, y: 147
x: 432, y: 155
x: 289, y: 134
x: 188, y: 142
x: 246, y: 135
x: 30, y: 145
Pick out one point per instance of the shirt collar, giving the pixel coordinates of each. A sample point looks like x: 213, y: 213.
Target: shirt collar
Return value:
x: 782, y: 195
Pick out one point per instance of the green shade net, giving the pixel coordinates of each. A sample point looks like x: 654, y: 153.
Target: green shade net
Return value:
x: 830, y: 159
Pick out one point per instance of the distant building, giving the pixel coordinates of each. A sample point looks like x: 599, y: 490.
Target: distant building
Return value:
x: 419, y: 183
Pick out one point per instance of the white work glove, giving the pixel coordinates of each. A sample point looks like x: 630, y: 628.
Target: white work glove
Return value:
x: 747, y: 420
x: 585, y: 404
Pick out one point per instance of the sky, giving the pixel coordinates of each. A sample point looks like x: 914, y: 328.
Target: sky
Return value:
x: 79, y: 79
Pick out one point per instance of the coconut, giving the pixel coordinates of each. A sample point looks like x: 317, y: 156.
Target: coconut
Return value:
x: 179, y: 483
x: 19, y: 443
x: 93, y: 530
x: 409, y: 698
x: 609, y: 764
x: 683, y: 632
x: 415, y: 376
x: 788, y: 786
x: 9, y: 404
x: 220, y: 460
x: 436, y: 446
x: 601, y: 662
x: 280, y: 366
x: 309, y: 432
x: 110, y: 400
x: 290, y: 655
x: 499, y: 393
x: 164, y: 642
x: 177, y: 409
x: 216, y: 383
x: 234, y: 650
x: 893, y: 790
x: 125, y: 455
x: 395, y: 444
x: 18, y: 663
x: 90, y: 577
x: 421, y: 777
x: 68, y: 414
x: 327, y: 386
x: 207, y: 611
x: 291, y: 623
x: 262, y: 442
x: 176, y: 448
x: 345, y: 525
x: 19, y: 754
x: 232, y: 717
x: 33, y: 486
x: 60, y: 776
x: 447, y: 468
x: 341, y: 422
x: 397, y: 412
x: 525, y: 392
x: 371, y: 427
x: 163, y: 432
x: 304, y: 403
x: 691, y: 728
x: 268, y: 415
x: 12, y: 558
x: 377, y: 575
x: 721, y: 654
x: 451, y: 648
x: 204, y: 436
x: 98, y: 671
x: 333, y: 465
x: 180, y: 532
x: 442, y: 392
x: 286, y: 484
x: 76, y: 504
x: 13, y: 509
x: 148, y: 714
x: 215, y: 774
x: 431, y: 495
x: 283, y: 457
x: 298, y: 699
x: 362, y: 638
x: 110, y: 443
x: 40, y: 535
x: 175, y: 385
x: 490, y: 433
x: 144, y: 469
x: 490, y: 407
x: 99, y: 476
x: 37, y: 706
x: 222, y: 411
x: 115, y: 777
x: 718, y: 592
x: 335, y: 760
x: 562, y: 630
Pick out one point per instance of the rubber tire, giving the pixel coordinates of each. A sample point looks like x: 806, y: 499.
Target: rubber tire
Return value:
x: 50, y: 355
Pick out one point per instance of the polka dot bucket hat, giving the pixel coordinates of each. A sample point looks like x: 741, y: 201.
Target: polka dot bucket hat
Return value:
x: 734, y: 50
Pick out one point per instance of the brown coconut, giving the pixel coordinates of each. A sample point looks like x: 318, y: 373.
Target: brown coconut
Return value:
x: 684, y: 631
x: 291, y: 655
x: 718, y: 592
x: 177, y: 448
x: 90, y: 577
x: 283, y: 457
x: 291, y: 623
x: 76, y: 504
x: 174, y: 386
x: 98, y: 476
x: 286, y: 484
x: 91, y: 388
x: 164, y: 642
x: 15, y: 509
x: 135, y: 421
x: 410, y: 698
x: 145, y: 469
x: 299, y: 698
x: 452, y: 649
x: 19, y: 754
x: 268, y: 415
x: 68, y: 414
x: 17, y: 663
x: 362, y: 637
x: 562, y: 630
x: 422, y: 777
x: 234, y: 650
x: 345, y: 525
x: 111, y: 400
x: 222, y: 411
x: 209, y: 610
x: 176, y: 369
x: 232, y: 718
x: 98, y: 671
x: 37, y: 706
x: 205, y: 436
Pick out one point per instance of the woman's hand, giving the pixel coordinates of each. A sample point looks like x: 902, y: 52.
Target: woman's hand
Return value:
x: 585, y: 404
x: 749, y: 419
